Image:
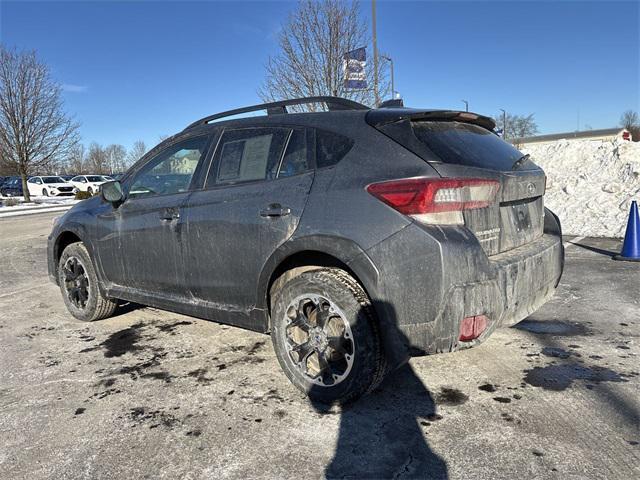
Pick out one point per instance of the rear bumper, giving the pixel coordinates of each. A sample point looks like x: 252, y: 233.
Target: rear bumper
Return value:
x: 430, y: 278
x: 525, y: 279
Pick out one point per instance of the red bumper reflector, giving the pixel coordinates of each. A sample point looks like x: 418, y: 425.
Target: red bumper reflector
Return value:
x: 472, y: 327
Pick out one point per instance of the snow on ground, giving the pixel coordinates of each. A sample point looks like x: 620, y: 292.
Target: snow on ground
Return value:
x: 590, y: 184
x: 40, y: 204
x: 37, y: 202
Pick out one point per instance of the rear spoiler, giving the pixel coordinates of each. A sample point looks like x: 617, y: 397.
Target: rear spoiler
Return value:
x: 383, y: 116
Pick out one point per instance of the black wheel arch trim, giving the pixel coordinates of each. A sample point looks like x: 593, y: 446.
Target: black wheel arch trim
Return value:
x: 359, y: 264
x: 78, y: 230
x: 341, y: 249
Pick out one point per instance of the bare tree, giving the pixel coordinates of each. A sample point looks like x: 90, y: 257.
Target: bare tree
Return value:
x: 96, y: 159
x: 136, y: 152
x: 34, y: 129
x: 631, y: 121
x: 76, y: 161
x: 116, y: 156
x: 312, y: 43
x: 518, y: 126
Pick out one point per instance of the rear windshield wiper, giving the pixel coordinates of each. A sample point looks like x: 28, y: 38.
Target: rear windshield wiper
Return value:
x: 518, y: 163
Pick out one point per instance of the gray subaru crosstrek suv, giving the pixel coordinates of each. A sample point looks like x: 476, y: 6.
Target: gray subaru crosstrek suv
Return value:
x: 356, y: 237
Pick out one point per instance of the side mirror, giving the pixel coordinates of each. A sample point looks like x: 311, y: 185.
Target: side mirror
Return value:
x: 112, y: 192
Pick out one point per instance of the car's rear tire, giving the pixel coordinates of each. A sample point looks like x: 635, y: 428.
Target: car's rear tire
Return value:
x: 326, y: 337
x: 79, y: 285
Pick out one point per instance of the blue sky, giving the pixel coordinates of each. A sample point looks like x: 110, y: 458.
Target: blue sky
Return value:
x: 138, y: 70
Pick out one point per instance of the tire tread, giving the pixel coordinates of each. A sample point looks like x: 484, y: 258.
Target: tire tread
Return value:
x: 104, y: 307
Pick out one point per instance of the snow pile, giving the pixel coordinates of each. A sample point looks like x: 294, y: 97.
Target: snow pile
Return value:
x: 590, y: 183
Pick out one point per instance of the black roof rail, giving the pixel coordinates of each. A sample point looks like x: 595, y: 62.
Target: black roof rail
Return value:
x: 275, y: 108
x: 394, y: 102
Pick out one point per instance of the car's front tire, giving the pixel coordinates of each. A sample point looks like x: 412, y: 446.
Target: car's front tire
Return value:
x: 45, y: 193
x: 90, y: 191
x: 79, y: 285
x: 326, y: 337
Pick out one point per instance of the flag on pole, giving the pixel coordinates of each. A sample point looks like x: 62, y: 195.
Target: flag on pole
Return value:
x: 353, y: 68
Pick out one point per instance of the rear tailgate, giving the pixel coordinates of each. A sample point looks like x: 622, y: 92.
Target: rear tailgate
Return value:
x: 516, y: 219
x: 458, y: 148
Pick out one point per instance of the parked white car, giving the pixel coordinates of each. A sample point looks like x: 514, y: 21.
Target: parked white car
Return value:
x: 89, y: 183
x: 49, y: 186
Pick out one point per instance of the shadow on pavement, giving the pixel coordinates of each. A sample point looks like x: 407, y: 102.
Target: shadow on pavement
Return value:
x: 600, y: 251
x: 125, y: 307
x: 381, y: 434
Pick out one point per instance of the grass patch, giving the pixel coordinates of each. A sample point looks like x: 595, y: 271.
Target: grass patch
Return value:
x: 82, y: 195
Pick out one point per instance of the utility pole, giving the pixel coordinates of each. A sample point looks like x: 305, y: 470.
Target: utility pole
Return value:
x: 466, y: 105
x: 504, y: 124
x: 393, y: 87
x: 375, y: 53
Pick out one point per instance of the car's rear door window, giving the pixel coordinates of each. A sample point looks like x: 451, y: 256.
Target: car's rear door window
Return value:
x: 466, y: 144
x: 248, y: 154
x: 297, y: 155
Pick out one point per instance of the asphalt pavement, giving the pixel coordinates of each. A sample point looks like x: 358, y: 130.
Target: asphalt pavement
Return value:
x: 152, y: 394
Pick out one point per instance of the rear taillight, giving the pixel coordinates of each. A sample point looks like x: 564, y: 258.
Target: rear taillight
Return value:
x: 436, y: 200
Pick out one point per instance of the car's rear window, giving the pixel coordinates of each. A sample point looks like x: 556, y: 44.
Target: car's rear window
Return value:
x: 466, y: 144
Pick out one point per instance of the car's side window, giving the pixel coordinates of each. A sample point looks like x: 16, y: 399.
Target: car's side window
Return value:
x: 331, y: 148
x: 296, y: 157
x: 38, y: 181
x: 247, y: 154
x: 171, y: 170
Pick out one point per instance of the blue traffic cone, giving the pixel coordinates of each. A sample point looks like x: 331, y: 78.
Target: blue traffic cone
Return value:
x: 631, y: 245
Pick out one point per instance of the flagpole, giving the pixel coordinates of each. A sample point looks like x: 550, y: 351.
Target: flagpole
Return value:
x: 375, y: 53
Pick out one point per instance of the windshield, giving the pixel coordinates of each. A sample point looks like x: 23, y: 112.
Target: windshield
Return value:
x: 95, y: 178
x: 53, y: 180
x: 466, y: 144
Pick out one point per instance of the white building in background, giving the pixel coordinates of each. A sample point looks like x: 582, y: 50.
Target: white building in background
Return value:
x: 604, y: 134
